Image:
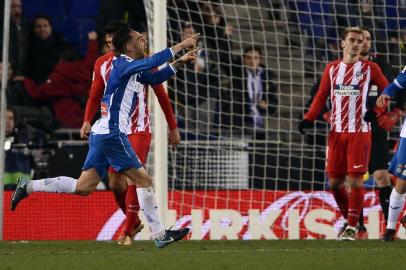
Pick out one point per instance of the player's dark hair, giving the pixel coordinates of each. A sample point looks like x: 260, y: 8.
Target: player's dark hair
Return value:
x: 350, y: 30
x: 121, y: 37
x: 363, y: 28
x: 251, y: 49
x: 113, y: 26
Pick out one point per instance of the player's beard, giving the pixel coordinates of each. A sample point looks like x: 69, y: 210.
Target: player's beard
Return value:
x: 364, y: 53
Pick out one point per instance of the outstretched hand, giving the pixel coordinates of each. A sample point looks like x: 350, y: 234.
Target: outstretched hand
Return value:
x: 190, y: 56
x: 191, y: 41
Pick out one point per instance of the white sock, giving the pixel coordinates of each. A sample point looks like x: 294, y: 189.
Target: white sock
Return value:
x: 148, y: 206
x: 61, y: 184
x: 396, y: 204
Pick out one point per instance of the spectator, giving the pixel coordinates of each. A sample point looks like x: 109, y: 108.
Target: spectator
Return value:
x: 254, y: 94
x: 16, y: 94
x: 69, y: 81
x: 191, y: 93
x: 132, y: 11
x: 217, y: 35
x: 45, y: 49
x: 17, y: 161
x: 19, y: 39
x: 183, y: 11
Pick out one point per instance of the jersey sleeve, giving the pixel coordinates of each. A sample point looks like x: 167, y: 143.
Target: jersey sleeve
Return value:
x: 377, y: 77
x: 398, y: 84
x: 165, y: 104
x: 320, y: 99
x: 131, y: 67
x: 95, y: 94
x: 157, y: 77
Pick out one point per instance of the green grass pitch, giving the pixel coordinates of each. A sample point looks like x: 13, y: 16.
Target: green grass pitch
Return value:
x: 247, y: 255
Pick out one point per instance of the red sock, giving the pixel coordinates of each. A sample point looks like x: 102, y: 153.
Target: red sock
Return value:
x: 355, y: 205
x: 120, y: 200
x: 133, y: 207
x: 341, y: 198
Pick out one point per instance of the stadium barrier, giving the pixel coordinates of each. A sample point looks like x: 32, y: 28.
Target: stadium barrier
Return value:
x: 235, y: 214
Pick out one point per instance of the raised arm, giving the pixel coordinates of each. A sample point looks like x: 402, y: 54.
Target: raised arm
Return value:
x: 136, y: 66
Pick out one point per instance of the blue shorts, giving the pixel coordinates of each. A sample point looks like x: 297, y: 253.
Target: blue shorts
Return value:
x: 110, y: 150
x: 397, y: 166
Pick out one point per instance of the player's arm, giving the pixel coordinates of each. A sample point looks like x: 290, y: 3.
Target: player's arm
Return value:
x: 392, y: 89
x: 157, y: 59
x: 164, y: 74
x: 318, y: 102
x: 93, y: 102
x: 164, y: 102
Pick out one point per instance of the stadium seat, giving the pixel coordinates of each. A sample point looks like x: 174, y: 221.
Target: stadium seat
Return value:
x: 52, y: 8
x: 70, y: 30
x: 80, y: 8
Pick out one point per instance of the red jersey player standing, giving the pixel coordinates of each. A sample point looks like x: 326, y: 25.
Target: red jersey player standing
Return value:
x: 139, y: 133
x: 347, y: 82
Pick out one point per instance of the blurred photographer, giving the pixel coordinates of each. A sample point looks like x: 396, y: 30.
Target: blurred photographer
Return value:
x: 18, y: 160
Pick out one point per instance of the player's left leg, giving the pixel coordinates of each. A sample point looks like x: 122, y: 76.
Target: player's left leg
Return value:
x: 85, y: 185
x: 358, y: 153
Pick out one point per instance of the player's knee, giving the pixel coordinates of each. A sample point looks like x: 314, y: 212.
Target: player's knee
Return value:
x: 400, y: 186
x: 145, y: 181
x: 85, y: 189
x: 382, y: 178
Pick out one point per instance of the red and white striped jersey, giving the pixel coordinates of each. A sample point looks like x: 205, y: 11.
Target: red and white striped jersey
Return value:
x: 348, y: 86
x: 140, y: 119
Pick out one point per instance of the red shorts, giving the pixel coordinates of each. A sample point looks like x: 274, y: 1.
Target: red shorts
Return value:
x: 140, y: 142
x: 348, y: 153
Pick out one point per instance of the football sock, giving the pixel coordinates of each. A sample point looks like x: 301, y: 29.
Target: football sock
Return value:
x: 361, y: 218
x: 355, y: 205
x: 384, y: 196
x: 119, y: 197
x: 396, y: 205
x: 148, y: 206
x: 60, y: 184
x: 341, y: 198
x: 133, y: 208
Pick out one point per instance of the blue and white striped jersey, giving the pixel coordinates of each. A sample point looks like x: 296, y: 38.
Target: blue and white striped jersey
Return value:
x: 399, y: 84
x: 127, y: 79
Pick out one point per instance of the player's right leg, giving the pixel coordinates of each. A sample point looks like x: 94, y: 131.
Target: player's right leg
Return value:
x: 85, y: 185
x: 397, y: 198
x: 123, y: 159
x: 149, y: 207
x: 336, y: 170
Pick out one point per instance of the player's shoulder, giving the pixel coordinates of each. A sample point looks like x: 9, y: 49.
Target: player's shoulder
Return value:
x: 333, y: 63
x: 103, y: 59
x: 370, y: 63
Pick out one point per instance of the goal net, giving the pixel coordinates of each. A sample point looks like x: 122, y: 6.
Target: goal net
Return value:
x: 242, y: 170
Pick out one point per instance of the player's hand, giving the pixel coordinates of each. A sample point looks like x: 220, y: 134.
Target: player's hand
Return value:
x: 304, y: 124
x: 174, y: 137
x: 85, y: 130
x: 370, y: 116
x: 190, y: 56
x: 382, y: 100
x: 92, y: 35
x: 191, y: 41
x: 327, y: 117
x: 389, y: 119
